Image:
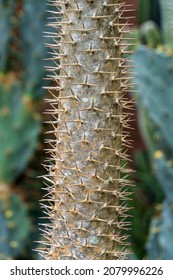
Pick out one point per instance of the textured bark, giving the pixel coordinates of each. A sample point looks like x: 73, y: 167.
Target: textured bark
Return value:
x: 87, y: 211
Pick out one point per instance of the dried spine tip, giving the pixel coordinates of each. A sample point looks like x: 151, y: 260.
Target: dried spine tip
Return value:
x: 87, y: 188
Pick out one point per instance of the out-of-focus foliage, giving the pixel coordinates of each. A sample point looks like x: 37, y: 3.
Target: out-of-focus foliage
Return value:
x: 15, y: 226
x: 34, y: 28
x: 167, y: 21
x: 22, y: 54
x: 19, y: 128
x: 6, y: 21
x: 148, y: 10
x: 145, y: 196
x: 155, y: 82
x: 149, y: 25
x: 154, y: 79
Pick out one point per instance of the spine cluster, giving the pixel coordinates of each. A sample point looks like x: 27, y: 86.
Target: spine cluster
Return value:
x: 86, y: 197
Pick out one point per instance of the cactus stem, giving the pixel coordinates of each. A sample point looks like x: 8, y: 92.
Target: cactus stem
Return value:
x: 87, y: 196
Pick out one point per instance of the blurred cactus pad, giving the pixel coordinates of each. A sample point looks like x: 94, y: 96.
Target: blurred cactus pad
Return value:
x: 22, y: 42
x: 155, y: 102
x: 19, y: 128
x: 15, y: 226
x: 22, y: 54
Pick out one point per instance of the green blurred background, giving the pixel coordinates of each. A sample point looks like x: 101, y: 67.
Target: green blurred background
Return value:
x: 22, y: 58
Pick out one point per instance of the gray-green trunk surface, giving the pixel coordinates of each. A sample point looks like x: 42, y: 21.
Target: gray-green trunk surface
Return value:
x: 87, y: 193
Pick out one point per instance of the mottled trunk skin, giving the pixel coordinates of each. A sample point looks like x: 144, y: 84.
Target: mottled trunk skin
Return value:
x: 87, y: 216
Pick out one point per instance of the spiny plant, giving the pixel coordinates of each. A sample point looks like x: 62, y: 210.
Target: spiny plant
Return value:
x: 86, y: 199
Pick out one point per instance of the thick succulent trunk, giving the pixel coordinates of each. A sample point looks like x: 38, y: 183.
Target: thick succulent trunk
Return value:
x: 87, y: 216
